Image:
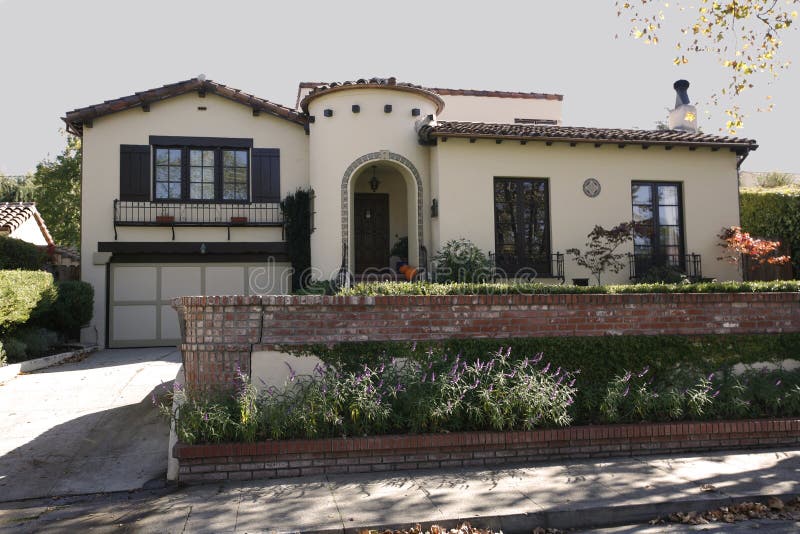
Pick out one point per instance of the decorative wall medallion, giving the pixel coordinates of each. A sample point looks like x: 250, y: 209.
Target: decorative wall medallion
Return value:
x: 591, y: 187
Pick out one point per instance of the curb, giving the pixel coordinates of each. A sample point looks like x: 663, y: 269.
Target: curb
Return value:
x: 571, y: 518
x: 10, y: 371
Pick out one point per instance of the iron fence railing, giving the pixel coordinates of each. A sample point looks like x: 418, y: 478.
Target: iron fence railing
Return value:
x: 689, y: 265
x: 129, y: 213
x: 173, y: 214
x: 552, y: 268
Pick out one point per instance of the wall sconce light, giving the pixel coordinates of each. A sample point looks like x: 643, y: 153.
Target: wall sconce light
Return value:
x: 374, y: 182
x: 434, y: 208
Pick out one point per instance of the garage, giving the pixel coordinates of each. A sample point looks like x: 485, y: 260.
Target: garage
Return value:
x: 139, y: 311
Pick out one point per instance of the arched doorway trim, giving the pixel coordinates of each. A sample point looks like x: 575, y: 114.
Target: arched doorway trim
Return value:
x: 382, y: 155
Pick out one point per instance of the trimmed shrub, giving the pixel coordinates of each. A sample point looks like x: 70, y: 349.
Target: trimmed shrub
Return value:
x: 3, y: 357
x: 460, y: 260
x: 24, y: 296
x: 30, y: 342
x: 71, y: 310
x: 18, y: 254
x: 532, y: 288
x: 296, y: 209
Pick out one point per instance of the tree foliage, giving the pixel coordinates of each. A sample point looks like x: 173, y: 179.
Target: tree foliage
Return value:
x: 17, y: 188
x: 745, y: 36
x: 737, y: 243
x: 601, y: 249
x: 58, y: 193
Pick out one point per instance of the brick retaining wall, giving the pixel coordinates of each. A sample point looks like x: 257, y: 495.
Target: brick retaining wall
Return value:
x: 291, y: 458
x: 220, y: 332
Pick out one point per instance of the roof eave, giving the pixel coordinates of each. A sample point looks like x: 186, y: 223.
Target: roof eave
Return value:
x: 739, y: 146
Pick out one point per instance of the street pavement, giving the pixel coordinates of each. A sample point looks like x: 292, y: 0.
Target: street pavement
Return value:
x: 580, y: 495
x: 85, y: 427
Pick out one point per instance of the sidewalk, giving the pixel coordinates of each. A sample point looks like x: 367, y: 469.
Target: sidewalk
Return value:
x: 515, y: 499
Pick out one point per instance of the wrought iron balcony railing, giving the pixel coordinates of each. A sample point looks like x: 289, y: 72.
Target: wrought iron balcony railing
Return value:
x: 689, y: 265
x: 172, y: 214
x: 554, y: 268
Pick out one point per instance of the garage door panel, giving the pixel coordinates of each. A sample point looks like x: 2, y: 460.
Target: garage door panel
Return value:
x: 228, y: 280
x: 134, y: 323
x: 170, y: 329
x: 269, y: 279
x: 135, y: 283
x: 180, y: 281
x: 140, y: 295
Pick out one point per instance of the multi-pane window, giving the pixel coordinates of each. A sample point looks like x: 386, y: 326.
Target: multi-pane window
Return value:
x: 169, y: 173
x: 658, y: 231
x: 234, y: 174
x: 521, y: 225
x: 202, y: 174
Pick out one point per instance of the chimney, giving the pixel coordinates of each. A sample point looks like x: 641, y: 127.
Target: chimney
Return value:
x: 684, y: 116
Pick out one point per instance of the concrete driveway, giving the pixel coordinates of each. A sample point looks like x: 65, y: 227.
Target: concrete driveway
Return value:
x: 85, y: 427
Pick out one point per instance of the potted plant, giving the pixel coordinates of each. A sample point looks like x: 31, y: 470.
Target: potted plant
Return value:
x: 399, y: 252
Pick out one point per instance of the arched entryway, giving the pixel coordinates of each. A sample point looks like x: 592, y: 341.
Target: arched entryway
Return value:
x: 382, y: 203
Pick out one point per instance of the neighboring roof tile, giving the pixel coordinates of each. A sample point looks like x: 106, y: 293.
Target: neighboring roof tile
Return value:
x: 14, y: 214
x: 75, y: 118
x: 367, y: 83
x: 538, y: 132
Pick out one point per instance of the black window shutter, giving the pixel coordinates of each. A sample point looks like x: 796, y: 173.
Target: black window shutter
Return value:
x: 134, y: 172
x: 266, y: 175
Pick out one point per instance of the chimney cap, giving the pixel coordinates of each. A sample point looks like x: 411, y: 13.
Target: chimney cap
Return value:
x: 681, y: 85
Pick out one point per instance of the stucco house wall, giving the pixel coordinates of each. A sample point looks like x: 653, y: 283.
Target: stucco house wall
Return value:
x: 177, y: 116
x: 466, y: 174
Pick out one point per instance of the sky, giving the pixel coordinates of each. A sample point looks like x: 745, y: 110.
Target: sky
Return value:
x: 58, y: 55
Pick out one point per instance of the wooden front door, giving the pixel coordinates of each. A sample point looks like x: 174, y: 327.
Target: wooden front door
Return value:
x: 371, y: 212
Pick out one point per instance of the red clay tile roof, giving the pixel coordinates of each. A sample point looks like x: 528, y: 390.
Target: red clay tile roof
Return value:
x: 14, y: 214
x: 76, y: 118
x: 369, y: 83
x: 438, y: 90
x: 538, y: 132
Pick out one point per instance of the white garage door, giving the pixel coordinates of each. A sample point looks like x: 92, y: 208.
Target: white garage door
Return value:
x: 140, y: 314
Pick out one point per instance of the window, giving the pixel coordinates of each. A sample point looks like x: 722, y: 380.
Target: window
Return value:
x: 202, y: 174
x: 658, y: 218
x: 522, y: 225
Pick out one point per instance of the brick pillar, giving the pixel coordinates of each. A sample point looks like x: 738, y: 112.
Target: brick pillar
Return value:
x: 218, y: 336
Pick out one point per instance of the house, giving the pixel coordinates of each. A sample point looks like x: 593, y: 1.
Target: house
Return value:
x: 21, y: 220
x: 182, y: 184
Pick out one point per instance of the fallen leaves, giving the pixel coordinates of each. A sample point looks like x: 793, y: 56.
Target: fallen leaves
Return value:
x: 774, y: 508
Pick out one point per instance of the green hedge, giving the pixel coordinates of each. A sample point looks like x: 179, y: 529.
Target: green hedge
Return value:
x: 532, y: 288
x: 24, y: 296
x: 18, y: 254
x: 599, y: 359
x: 773, y: 213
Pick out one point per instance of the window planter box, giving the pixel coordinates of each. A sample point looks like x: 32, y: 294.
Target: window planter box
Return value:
x: 165, y: 219
x: 238, y: 220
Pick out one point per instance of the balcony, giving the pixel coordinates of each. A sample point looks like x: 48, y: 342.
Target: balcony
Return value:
x: 172, y: 214
x: 508, y: 267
